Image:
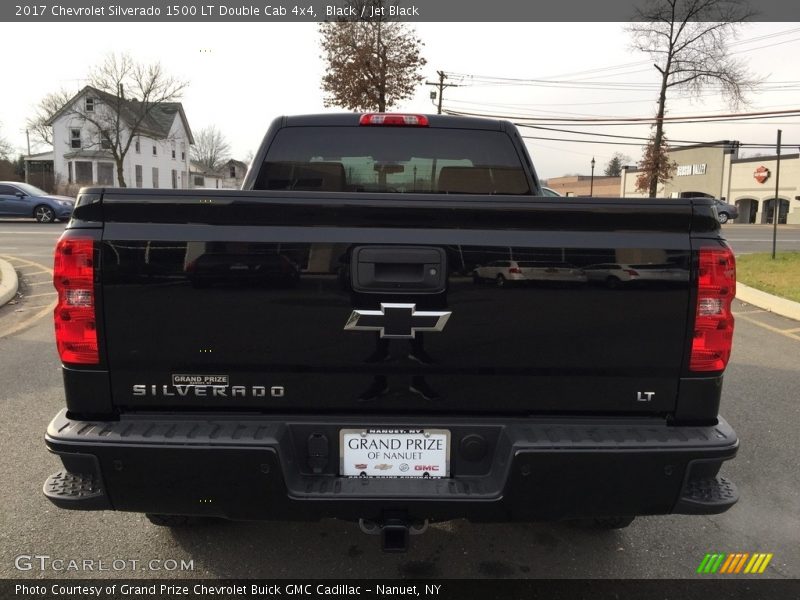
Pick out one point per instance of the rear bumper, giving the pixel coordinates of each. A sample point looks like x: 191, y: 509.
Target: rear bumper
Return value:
x: 258, y: 467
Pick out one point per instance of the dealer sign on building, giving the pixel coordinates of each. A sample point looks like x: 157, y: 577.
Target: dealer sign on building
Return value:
x: 696, y: 169
x: 761, y: 174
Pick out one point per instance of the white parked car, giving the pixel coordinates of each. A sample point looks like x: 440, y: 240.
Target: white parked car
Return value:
x: 546, y: 191
x: 502, y: 271
x: 615, y: 275
x: 556, y: 272
x: 499, y: 271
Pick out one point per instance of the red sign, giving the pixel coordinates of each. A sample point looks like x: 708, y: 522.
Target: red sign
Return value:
x: 761, y: 174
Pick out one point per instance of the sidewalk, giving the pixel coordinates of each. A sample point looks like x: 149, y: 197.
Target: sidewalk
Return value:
x: 8, y: 282
x: 775, y: 304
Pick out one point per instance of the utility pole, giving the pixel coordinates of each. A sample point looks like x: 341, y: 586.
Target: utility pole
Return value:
x: 28, y: 138
x: 776, y: 203
x: 441, y: 85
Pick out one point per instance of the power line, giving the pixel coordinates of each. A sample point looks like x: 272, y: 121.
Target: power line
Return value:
x: 642, y: 86
x: 555, y: 78
x: 712, y: 118
x: 639, y: 144
x: 470, y: 105
x: 552, y: 139
x: 646, y: 139
x: 610, y: 135
x: 740, y: 122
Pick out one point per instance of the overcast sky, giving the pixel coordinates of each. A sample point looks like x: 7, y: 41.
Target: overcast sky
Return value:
x: 242, y: 75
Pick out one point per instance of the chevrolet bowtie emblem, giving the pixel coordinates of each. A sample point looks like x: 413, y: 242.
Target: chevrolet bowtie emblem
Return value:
x: 397, y: 320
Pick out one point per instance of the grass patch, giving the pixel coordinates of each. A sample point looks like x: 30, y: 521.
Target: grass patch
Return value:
x: 780, y: 276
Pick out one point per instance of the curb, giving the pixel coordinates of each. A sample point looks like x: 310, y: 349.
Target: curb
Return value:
x: 776, y: 304
x: 9, y: 282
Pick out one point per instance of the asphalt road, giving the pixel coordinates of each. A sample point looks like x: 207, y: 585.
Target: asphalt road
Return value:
x: 760, y: 401
x: 28, y: 239
x: 747, y: 239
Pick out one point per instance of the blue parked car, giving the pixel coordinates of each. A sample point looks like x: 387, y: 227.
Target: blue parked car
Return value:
x: 24, y: 200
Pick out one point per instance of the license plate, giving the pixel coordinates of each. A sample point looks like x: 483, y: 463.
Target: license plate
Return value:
x: 395, y: 452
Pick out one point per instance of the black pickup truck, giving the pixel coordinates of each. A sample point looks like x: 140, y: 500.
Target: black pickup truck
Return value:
x: 389, y: 324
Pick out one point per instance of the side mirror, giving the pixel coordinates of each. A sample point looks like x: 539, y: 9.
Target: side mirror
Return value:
x: 20, y: 194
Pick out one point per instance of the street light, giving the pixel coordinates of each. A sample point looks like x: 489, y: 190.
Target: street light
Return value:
x: 591, y: 181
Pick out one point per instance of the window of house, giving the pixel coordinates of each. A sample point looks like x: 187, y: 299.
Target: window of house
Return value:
x: 199, y: 181
x: 155, y: 176
x: 75, y: 138
x: 89, y: 104
x: 233, y: 172
x: 139, y: 178
x: 183, y: 151
x: 69, y: 172
x: 155, y: 152
x: 137, y: 146
x: 105, y: 144
x: 105, y: 173
x: 83, y: 171
x: 174, y: 179
x: 173, y: 151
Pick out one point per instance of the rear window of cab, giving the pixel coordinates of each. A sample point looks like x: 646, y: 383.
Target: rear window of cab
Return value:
x: 393, y: 160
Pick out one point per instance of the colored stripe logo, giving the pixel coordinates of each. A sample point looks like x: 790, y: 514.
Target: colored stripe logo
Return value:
x: 735, y: 563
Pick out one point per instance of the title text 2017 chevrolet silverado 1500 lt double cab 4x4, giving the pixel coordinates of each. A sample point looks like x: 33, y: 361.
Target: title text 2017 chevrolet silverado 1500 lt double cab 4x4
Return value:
x: 314, y: 345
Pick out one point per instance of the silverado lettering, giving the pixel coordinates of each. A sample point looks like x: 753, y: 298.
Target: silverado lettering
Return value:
x: 579, y: 375
x: 217, y: 391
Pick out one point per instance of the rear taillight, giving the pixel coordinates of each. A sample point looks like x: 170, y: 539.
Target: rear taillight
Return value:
x: 631, y: 272
x: 713, y: 326
x: 73, y: 278
x: 515, y: 270
x: 393, y: 119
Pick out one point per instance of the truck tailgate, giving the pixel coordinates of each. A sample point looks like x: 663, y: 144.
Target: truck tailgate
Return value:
x: 240, y: 300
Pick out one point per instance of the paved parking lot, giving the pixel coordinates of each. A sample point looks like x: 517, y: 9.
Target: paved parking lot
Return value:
x: 760, y: 400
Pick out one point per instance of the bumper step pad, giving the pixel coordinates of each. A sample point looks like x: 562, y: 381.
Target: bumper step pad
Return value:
x: 712, y: 495
x: 76, y: 491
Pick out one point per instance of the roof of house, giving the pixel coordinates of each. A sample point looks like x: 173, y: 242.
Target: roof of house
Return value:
x: 221, y: 171
x: 84, y: 153
x: 237, y: 163
x: 198, y: 169
x: 41, y: 156
x: 157, y: 122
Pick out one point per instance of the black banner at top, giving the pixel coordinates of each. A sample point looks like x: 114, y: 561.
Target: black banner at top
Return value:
x: 274, y: 11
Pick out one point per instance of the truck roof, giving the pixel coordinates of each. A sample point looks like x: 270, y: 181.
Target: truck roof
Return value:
x: 351, y: 119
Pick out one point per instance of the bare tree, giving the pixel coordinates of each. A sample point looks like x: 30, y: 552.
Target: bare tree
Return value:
x: 655, y: 166
x: 372, y: 64
x: 127, y: 96
x: 688, y: 41
x: 48, y: 106
x: 614, y: 166
x: 5, y: 148
x: 210, y: 149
